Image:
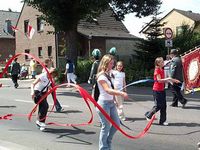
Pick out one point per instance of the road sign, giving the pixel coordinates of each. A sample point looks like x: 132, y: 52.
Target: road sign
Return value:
x: 168, y: 33
x: 168, y: 43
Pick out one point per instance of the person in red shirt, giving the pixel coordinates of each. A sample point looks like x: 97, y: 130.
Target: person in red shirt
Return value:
x: 159, y: 94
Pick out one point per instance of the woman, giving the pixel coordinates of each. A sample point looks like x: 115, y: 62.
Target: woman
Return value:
x: 39, y: 87
x: 106, y: 101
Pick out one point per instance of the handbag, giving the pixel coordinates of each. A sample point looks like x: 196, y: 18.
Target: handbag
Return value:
x: 39, y: 94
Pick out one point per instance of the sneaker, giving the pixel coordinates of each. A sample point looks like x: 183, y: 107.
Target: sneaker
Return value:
x: 183, y: 105
x: 198, y: 146
x: 146, y: 116
x: 173, y: 105
x: 123, y: 118
x: 42, y: 128
x: 59, y: 110
x: 164, y: 123
x: 148, y: 119
x: 41, y: 125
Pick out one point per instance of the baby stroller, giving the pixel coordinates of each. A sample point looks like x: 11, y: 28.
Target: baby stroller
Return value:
x: 23, y: 72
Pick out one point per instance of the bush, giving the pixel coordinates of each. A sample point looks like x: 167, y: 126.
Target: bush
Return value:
x: 135, y: 72
x: 83, y: 70
x: 60, y: 78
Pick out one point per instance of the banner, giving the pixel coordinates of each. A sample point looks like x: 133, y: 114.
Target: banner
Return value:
x: 191, y: 71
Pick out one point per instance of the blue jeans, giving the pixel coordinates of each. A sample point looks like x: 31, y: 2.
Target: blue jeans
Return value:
x: 107, y: 131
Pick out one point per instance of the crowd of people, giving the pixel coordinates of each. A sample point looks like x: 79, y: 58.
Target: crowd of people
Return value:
x: 108, y: 77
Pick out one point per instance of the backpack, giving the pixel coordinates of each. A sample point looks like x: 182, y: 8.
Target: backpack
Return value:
x: 96, y: 92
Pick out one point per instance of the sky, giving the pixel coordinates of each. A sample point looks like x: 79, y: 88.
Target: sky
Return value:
x: 132, y: 23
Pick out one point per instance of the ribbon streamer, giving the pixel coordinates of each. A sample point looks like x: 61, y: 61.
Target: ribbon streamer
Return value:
x: 137, y: 82
x: 85, y: 95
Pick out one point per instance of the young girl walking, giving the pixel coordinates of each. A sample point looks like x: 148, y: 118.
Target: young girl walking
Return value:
x: 159, y: 94
x: 119, y: 83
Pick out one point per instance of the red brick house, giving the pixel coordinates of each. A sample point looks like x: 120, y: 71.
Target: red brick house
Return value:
x: 104, y: 34
x: 7, y: 36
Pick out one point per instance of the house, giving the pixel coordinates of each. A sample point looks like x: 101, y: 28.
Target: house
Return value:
x: 175, y: 20
x: 104, y: 33
x: 8, y: 19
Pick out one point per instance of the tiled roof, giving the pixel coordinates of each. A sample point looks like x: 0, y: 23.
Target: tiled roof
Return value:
x: 189, y: 14
x: 7, y: 15
x: 105, y: 26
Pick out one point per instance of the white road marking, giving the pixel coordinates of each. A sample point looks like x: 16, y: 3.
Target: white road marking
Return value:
x: 25, y: 101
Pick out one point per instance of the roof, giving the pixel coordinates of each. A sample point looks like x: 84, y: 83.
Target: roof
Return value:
x: 104, y: 26
x: 189, y: 14
x: 7, y: 15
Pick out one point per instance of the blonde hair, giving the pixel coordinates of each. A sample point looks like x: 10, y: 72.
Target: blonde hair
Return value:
x: 120, y: 63
x: 158, y: 60
x: 103, y: 65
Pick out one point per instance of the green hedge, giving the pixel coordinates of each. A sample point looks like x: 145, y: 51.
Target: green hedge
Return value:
x: 83, y: 70
x: 133, y: 72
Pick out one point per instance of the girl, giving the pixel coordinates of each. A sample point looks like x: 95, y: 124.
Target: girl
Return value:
x: 119, y: 83
x: 39, y: 87
x: 106, y: 101
x: 159, y: 92
x: 69, y: 72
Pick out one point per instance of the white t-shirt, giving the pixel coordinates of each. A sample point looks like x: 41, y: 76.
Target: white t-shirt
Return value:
x: 43, y: 70
x: 118, y: 79
x: 43, y: 82
x: 166, y: 64
x: 104, y: 96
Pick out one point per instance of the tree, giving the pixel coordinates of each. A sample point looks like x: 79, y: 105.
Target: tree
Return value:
x: 65, y: 15
x: 153, y: 46
x: 187, y: 39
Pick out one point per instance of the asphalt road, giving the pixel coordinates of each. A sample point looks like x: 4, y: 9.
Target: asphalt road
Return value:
x: 183, y: 131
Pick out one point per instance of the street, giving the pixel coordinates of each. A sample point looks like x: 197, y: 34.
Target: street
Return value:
x: 183, y: 131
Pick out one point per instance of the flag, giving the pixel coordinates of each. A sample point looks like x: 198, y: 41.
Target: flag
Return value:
x: 191, y: 71
x: 31, y: 31
x: 14, y: 28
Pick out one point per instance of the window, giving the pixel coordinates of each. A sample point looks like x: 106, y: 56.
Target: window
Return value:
x: 40, y: 24
x: 39, y: 51
x: 8, y: 28
x: 27, y: 51
x: 26, y: 23
x: 49, y: 51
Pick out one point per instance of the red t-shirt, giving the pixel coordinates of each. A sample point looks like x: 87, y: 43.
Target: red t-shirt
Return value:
x: 158, y: 86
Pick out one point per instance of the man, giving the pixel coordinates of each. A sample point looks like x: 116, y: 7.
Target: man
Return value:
x: 176, y: 72
x: 96, y: 53
x: 15, y: 71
